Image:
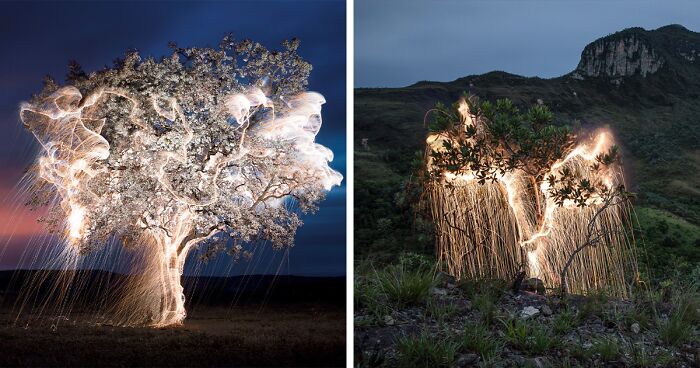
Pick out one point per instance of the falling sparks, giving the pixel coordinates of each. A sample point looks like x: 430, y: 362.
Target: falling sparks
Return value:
x: 193, y: 158
x: 494, y: 229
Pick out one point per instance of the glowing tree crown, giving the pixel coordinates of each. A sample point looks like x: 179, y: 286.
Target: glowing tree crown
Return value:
x: 508, y: 191
x: 203, y: 146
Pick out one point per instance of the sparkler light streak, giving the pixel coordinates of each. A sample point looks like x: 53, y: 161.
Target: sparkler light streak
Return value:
x: 492, y: 229
x: 167, y: 156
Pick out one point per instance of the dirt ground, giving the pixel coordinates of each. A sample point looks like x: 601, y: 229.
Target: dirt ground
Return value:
x: 250, y: 335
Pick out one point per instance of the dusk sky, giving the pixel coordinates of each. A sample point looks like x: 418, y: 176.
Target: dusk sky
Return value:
x: 400, y: 42
x: 40, y: 38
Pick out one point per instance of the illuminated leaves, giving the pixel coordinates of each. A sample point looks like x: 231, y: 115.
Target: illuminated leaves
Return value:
x: 503, y: 139
x: 162, y: 128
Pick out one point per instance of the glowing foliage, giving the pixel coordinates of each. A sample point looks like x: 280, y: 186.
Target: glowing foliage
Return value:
x: 205, y: 146
x: 498, y: 178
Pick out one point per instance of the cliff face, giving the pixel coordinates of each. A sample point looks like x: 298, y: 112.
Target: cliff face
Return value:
x: 640, y: 52
x: 619, y: 57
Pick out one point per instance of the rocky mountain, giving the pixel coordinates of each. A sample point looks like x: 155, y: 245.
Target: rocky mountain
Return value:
x: 619, y: 57
x: 636, y: 51
x: 642, y: 84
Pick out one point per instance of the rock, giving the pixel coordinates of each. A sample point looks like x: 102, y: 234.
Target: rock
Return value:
x: 439, y: 291
x: 635, y: 328
x: 534, y: 285
x: 529, y: 311
x: 389, y: 320
x: 467, y: 360
x: 365, y: 143
x: 445, y: 279
x: 519, y: 360
x: 546, y: 310
x: 360, y: 320
x: 538, y: 362
x: 619, y: 57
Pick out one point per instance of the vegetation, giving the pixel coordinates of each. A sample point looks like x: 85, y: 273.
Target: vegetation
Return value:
x: 528, y: 336
x: 262, y: 333
x: 652, y: 329
x: 478, y: 339
x: 564, y: 322
x: 607, y: 348
x: 653, y: 118
x: 426, y: 351
x: 407, y: 283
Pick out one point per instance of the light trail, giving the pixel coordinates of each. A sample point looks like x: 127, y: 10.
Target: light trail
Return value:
x: 491, y: 230
x: 271, y: 160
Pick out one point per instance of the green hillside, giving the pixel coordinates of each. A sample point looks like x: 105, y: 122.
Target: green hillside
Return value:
x: 643, y: 85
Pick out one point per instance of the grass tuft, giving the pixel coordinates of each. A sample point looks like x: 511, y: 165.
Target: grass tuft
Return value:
x: 529, y: 336
x: 675, y: 331
x: 403, y: 286
x: 608, y: 349
x: 426, y: 351
x: 477, y: 339
x: 564, y: 322
x: 440, y: 310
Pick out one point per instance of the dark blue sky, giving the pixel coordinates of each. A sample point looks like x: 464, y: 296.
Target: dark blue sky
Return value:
x: 400, y: 42
x: 39, y: 38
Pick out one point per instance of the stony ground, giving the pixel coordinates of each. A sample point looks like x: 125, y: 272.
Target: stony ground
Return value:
x: 468, y: 325
x: 253, y: 335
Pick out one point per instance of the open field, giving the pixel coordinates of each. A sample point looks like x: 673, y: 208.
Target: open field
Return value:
x: 251, y: 329
x: 298, y: 335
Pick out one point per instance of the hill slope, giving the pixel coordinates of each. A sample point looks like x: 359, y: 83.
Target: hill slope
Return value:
x: 644, y: 85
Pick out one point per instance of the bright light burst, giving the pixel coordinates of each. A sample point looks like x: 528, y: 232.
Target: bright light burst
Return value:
x: 207, y: 147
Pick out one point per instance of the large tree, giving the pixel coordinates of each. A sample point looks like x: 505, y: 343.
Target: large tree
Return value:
x: 207, y: 146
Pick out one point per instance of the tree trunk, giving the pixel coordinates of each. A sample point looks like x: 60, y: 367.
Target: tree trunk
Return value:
x: 172, y: 298
x: 539, y: 211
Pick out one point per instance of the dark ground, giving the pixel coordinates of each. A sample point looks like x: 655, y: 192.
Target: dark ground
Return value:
x: 227, y: 325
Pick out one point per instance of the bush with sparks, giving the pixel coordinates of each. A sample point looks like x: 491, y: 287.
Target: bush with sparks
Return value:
x: 206, y: 146
x: 510, y: 192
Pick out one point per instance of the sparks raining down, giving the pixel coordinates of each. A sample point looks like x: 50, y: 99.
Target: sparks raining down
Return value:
x: 559, y: 218
x: 205, y: 148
